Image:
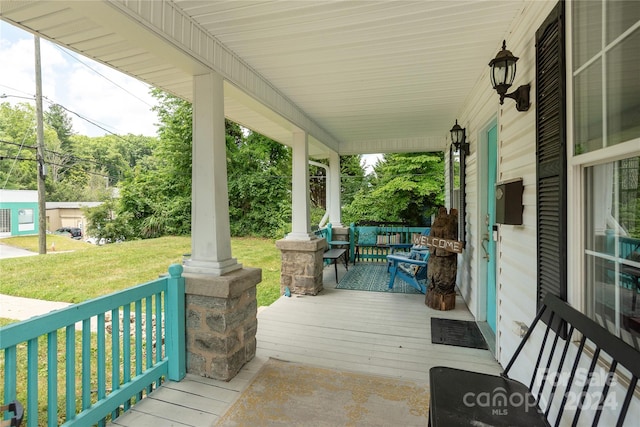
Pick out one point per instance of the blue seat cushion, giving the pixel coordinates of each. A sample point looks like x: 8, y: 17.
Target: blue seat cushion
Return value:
x: 412, y: 269
x: 367, y: 236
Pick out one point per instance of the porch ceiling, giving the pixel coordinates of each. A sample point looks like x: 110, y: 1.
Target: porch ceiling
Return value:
x: 359, y: 76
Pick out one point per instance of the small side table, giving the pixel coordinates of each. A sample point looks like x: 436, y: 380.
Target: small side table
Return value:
x: 340, y: 244
x: 333, y: 255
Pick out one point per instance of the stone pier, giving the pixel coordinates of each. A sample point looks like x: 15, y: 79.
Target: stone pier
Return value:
x: 221, y: 322
x: 302, y: 265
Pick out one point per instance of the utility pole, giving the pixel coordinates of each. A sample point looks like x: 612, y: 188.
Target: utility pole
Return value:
x: 42, y: 211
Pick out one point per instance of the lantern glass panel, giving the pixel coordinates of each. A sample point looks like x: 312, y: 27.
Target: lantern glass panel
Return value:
x: 498, y: 73
x: 511, y: 72
x: 503, y: 73
x: 456, y: 136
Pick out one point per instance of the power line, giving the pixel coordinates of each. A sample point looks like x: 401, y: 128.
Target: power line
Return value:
x: 57, y: 153
x: 103, y: 76
x: 78, y: 164
x: 51, y: 102
x: 15, y: 158
x: 17, y: 90
x: 14, y: 163
x: 53, y: 164
x: 86, y: 119
x: 4, y: 95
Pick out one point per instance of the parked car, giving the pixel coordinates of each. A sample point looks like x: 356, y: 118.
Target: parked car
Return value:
x: 73, y: 232
x: 96, y: 241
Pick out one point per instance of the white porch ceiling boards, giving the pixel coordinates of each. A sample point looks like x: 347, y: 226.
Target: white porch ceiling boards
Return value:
x: 369, y: 76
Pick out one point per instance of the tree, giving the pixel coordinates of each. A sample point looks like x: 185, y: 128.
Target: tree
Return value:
x: 103, y: 224
x: 18, y: 136
x: 79, y: 170
x: 57, y: 118
x: 106, y: 155
x: 157, y: 192
x: 352, y: 178
x: 59, y: 153
x: 259, y: 179
x: 18, y: 169
x: 406, y: 188
x: 18, y: 123
x: 318, y: 185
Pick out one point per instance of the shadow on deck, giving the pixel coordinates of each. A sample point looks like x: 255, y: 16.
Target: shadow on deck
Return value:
x: 366, y: 332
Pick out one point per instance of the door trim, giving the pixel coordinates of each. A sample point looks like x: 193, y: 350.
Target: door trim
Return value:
x: 492, y: 250
x: 481, y: 208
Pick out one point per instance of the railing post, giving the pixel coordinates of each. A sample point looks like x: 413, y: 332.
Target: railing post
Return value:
x: 352, y: 242
x: 175, y: 318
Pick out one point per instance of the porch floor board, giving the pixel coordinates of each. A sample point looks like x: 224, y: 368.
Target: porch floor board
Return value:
x: 367, y: 332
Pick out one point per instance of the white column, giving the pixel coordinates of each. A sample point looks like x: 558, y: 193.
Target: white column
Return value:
x: 334, y: 204
x: 210, y: 230
x: 301, y: 212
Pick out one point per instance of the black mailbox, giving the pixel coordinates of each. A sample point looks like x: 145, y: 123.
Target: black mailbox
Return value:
x: 509, y: 202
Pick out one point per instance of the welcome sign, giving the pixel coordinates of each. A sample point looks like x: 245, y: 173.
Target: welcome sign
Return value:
x: 454, y: 246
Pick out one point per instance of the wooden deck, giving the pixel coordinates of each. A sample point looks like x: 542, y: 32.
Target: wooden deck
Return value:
x: 370, y: 332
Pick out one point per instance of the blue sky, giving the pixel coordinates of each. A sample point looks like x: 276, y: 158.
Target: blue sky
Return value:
x: 114, y: 100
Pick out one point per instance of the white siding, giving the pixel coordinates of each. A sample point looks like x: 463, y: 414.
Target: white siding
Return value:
x: 516, y: 247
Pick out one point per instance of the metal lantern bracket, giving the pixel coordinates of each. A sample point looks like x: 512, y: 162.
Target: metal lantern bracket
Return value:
x: 521, y: 96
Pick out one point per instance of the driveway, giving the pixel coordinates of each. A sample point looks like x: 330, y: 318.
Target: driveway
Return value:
x: 7, y: 251
x: 18, y: 308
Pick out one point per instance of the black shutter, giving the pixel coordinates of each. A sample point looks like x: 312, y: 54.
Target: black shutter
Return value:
x: 551, y: 156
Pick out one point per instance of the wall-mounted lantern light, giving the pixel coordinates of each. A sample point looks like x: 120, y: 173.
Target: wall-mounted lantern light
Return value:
x: 503, y: 72
x: 458, y: 137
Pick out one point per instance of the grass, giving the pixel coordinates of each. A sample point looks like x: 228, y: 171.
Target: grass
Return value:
x: 44, y: 370
x: 77, y: 271
x: 55, y: 243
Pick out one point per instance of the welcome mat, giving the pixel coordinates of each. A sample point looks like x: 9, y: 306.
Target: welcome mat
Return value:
x: 373, y: 277
x: 291, y: 394
x: 461, y: 333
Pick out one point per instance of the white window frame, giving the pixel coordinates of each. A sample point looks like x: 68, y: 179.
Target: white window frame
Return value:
x: 577, y: 164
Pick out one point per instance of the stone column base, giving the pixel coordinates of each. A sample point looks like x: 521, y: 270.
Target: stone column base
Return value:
x: 221, y: 322
x: 302, y: 265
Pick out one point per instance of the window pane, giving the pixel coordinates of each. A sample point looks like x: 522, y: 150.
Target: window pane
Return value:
x: 621, y: 15
x: 588, y: 108
x: 25, y: 216
x: 612, y: 243
x: 629, y: 200
x: 623, y: 90
x: 587, y: 28
x: 5, y: 220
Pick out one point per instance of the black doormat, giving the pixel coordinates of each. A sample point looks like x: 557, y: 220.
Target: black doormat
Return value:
x: 461, y: 333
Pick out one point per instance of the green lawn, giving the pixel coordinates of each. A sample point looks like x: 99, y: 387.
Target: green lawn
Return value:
x: 77, y: 271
